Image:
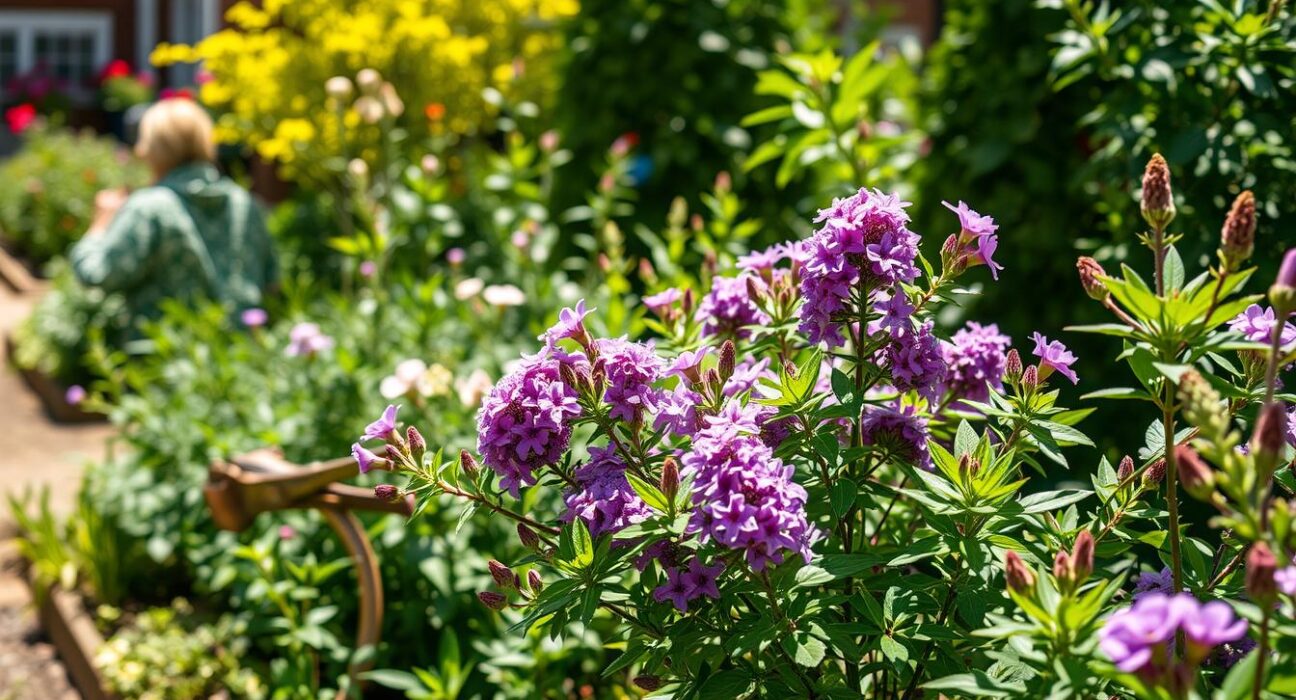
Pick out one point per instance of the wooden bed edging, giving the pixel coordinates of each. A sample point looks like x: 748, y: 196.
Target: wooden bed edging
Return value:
x: 51, y: 394
x: 72, y: 630
x: 16, y: 275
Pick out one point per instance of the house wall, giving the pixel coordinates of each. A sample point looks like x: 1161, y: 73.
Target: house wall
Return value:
x: 123, y: 12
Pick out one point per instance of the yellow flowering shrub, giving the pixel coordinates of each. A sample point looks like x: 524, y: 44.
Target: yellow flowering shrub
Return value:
x: 266, y: 72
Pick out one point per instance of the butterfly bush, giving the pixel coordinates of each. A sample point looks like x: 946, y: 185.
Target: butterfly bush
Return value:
x: 801, y: 484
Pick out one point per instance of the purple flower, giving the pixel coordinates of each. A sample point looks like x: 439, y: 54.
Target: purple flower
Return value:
x: 1154, y: 582
x: 630, y: 370
x: 898, y: 431
x: 525, y: 421
x: 746, y: 375
x: 764, y: 260
x: 975, y: 361
x: 571, y: 324
x: 977, y: 237
x: 306, y: 340
x: 663, y: 300
x: 455, y: 256
x: 676, y: 410
x: 676, y: 590
x: 365, y: 459
x: 1256, y: 324
x: 896, y: 310
x: 702, y: 579
x: 1286, y: 580
x: 254, y: 318
x: 727, y: 309
x: 1211, y: 624
x: 688, y: 364
x: 385, y: 427
x: 1137, y: 636
x: 744, y: 497
x: 74, y: 395
x: 916, y: 361
x: 368, y: 269
x: 1054, y: 356
x: 864, y: 243
x: 603, y: 498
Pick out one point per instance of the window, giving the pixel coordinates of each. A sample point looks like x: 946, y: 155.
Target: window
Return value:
x: 191, y: 22
x: 70, y: 46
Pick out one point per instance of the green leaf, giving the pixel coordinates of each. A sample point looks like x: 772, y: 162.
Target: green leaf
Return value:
x: 1240, y: 679
x: 726, y: 685
x: 650, y: 494
x: 893, y: 650
x: 1174, y: 269
x: 843, y: 496
x: 810, y: 576
x: 396, y: 680
x: 1052, y: 500
x: 805, y: 649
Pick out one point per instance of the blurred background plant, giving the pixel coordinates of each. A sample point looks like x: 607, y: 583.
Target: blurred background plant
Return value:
x: 50, y: 184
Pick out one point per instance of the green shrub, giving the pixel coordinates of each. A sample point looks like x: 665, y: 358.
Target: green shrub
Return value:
x: 47, y: 200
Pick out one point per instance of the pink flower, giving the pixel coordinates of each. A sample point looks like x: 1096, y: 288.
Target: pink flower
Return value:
x: 20, y: 117
x: 1054, y: 357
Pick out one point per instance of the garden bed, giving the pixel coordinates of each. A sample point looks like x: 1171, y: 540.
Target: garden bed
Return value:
x: 53, y: 396
x: 63, y: 616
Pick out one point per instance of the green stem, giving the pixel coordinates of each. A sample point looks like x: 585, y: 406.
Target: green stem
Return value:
x: 1261, y: 653
x: 1172, y: 497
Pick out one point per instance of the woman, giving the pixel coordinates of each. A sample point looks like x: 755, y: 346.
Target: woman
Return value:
x: 194, y: 235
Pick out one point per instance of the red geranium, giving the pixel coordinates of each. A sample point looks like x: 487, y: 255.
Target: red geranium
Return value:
x: 20, y: 117
x: 115, y: 69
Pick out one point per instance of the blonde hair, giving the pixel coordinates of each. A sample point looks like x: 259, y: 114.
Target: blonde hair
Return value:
x: 174, y: 132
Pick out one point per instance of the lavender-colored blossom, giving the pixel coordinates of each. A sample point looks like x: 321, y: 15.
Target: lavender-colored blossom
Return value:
x: 364, y: 458
x: 1137, y: 636
x: 687, y: 365
x: 1154, y: 582
x: 898, y: 430
x: 975, y: 361
x: 683, y: 586
x: 1285, y: 578
x: 525, y: 421
x: 306, y: 340
x: 571, y: 324
x: 978, y: 234
x: 747, y: 374
x: 385, y: 427
x: 727, y: 309
x: 630, y: 369
x: 1256, y: 324
x: 864, y: 242
x: 764, y: 260
x: 1213, y: 623
x: 662, y: 300
x: 744, y: 496
x: 254, y: 318
x: 1054, y: 356
x: 675, y: 589
x: 602, y: 497
x: 74, y: 395
x: 896, y: 311
x: 916, y: 361
x: 676, y: 410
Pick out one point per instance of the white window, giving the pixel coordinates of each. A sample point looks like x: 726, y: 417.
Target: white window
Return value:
x: 71, y: 46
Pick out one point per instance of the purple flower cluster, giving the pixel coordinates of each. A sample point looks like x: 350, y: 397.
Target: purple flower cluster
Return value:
x: 761, y: 261
x: 603, y: 498
x: 630, y: 370
x: 916, y: 361
x: 684, y: 585
x: 1153, y: 582
x: 975, y: 361
x: 1138, y: 638
x: 676, y: 410
x: 525, y: 421
x: 745, y: 497
x: 898, y: 430
x: 1256, y: 324
x: 727, y: 308
x: 864, y: 242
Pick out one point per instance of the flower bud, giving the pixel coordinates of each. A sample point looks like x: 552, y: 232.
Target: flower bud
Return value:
x: 338, y: 87
x: 1090, y: 272
x: 1260, y: 569
x: 1125, y: 470
x: 1158, y: 202
x: 950, y: 255
x: 646, y: 271
x: 1155, y: 473
x: 1012, y: 366
x: 369, y: 81
x: 467, y: 464
x: 1202, y: 405
x: 528, y: 537
x: 1283, y: 292
x: 712, y: 378
x: 417, y: 446
x: 670, y: 479
x: 1082, y: 556
x: 504, y: 576
x: 1063, y: 571
x: 534, y: 582
x: 394, y: 454
x: 688, y: 301
x: 969, y: 465
x: 1017, y: 574
x: 386, y: 492
x: 1194, y: 474
x: 648, y: 683
x: 1237, y: 239
x: 1030, y: 379
x: 728, y: 358
x: 494, y: 601
x: 1269, y: 438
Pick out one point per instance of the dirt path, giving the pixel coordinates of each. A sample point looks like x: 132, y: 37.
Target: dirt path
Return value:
x: 33, y: 451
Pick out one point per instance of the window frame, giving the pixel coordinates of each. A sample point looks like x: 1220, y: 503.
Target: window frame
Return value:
x: 26, y: 24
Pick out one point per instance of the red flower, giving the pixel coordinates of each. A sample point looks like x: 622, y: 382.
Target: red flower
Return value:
x: 115, y: 69
x: 435, y: 111
x: 20, y: 117
x: 177, y: 93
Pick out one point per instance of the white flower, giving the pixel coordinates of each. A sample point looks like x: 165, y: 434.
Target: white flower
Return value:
x: 403, y: 380
x: 473, y: 388
x: 369, y: 81
x: 503, y: 295
x: 469, y: 288
x: 338, y: 87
